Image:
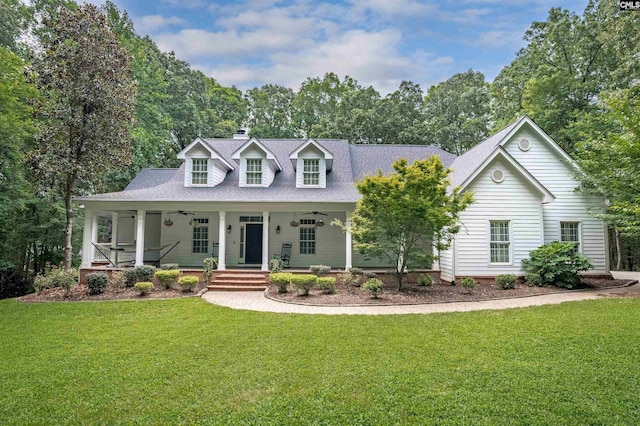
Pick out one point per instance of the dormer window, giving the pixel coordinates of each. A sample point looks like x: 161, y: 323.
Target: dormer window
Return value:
x: 311, y: 173
x: 199, y: 171
x: 254, y: 171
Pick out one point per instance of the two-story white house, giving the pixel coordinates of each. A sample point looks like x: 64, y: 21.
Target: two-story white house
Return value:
x: 241, y: 199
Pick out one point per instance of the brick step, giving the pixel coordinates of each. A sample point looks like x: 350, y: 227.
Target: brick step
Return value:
x: 228, y: 281
x: 239, y: 277
x: 217, y: 287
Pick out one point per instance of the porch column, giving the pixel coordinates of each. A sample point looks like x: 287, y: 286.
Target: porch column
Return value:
x: 349, y: 244
x: 94, y: 236
x: 265, y: 241
x: 140, y: 238
x: 114, y: 229
x: 222, y: 243
x: 87, y: 234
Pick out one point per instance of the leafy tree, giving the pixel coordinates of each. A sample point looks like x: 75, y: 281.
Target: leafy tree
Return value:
x: 228, y: 108
x: 457, y: 112
x: 400, y: 116
x: 88, y: 107
x: 14, y: 17
x: 403, y: 216
x: 269, y: 112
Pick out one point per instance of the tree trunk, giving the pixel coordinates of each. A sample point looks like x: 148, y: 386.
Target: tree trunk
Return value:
x: 618, y: 250
x: 68, y: 204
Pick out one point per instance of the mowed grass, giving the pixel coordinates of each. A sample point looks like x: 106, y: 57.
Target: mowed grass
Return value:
x: 186, y: 361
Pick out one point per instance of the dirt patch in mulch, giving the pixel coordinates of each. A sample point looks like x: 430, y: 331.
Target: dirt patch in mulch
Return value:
x: 439, y: 292
x: 81, y: 292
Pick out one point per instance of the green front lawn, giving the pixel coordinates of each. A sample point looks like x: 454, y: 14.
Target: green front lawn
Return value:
x: 186, y: 361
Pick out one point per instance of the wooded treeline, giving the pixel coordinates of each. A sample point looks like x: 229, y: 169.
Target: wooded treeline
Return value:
x: 577, y: 77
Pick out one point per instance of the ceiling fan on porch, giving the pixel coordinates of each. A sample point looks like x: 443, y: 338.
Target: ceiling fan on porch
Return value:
x: 319, y: 221
x: 169, y: 222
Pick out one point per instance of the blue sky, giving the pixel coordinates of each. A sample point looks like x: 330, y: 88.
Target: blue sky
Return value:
x: 249, y: 43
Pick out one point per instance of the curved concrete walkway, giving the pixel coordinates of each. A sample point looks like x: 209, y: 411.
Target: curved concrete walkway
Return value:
x: 256, y: 301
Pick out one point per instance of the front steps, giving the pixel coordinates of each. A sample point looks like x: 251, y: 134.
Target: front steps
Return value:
x: 239, y: 281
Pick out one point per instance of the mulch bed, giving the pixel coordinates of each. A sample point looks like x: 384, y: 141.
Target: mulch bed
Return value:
x: 438, y: 293
x: 81, y: 292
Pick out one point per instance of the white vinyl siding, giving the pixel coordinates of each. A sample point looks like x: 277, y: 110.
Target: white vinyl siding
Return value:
x: 570, y: 232
x: 554, y: 173
x: 199, y: 171
x: 254, y: 171
x: 200, y: 242
x: 499, y: 243
x: 311, y: 172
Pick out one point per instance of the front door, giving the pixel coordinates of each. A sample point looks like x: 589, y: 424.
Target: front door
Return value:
x: 253, y: 253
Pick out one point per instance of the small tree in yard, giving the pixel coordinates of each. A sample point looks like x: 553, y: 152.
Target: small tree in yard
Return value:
x: 403, y: 216
x: 88, y: 100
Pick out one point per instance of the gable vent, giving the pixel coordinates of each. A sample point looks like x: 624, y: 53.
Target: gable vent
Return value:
x: 524, y: 144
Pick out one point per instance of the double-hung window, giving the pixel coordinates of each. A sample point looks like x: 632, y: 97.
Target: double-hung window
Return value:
x: 199, y: 171
x: 200, y: 235
x: 307, y: 237
x: 254, y: 171
x: 570, y: 232
x: 499, y: 244
x: 311, y: 172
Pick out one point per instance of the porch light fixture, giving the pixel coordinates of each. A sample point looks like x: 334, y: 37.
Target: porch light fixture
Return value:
x: 229, y: 229
x: 168, y: 222
x: 278, y: 229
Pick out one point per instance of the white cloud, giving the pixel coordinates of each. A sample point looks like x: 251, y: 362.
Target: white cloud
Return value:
x: 149, y: 24
x: 394, y: 7
x: 499, y: 38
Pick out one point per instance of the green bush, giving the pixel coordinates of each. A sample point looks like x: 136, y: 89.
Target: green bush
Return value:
x: 40, y: 282
x: 303, y: 283
x: 350, y: 278
x: 276, y: 265
x: 145, y: 272
x: 116, y: 280
x: 318, y: 270
x: 425, y: 280
x: 557, y: 264
x: 169, y: 266
x: 281, y: 280
x: 210, y: 265
x: 167, y: 278
x: 188, y: 283
x: 97, y: 282
x: 533, y: 280
x: 354, y: 271
x: 56, y: 277
x: 328, y: 284
x: 373, y: 286
x: 130, y: 277
x: 468, y: 283
x: 143, y: 287
x: 369, y: 274
x: 506, y: 281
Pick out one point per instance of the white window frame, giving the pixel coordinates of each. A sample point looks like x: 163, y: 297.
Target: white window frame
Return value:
x: 312, y: 172
x: 254, y: 173
x: 500, y: 242
x: 307, y: 245
x: 578, y: 230
x: 200, y: 235
x: 198, y: 171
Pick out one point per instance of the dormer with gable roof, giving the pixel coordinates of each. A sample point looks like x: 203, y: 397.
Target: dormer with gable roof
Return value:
x: 204, y: 166
x: 258, y: 165
x: 312, y: 162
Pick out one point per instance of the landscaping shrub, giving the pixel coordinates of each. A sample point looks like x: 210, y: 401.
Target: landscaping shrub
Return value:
x: 117, y: 281
x: 355, y: 271
x: 468, y: 283
x: 130, y: 277
x: 276, y: 265
x: 373, y: 286
x: 12, y: 284
x: 328, y: 284
x: 169, y: 266
x: 533, y: 280
x: 56, y: 277
x: 167, y: 278
x: 145, y: 272
x: 506, y: 281
x: 188, y: 283
x: 210, y: 264
x: 143, y: 287
x: 350, y: 278
x: 557, y: 264
x: 369, y: 274
x: 425, y: 280
x: 303, y: 283
x: 40, y: 282
x: 97, y: 282
x: 281, y: 280
x: 318, y: 270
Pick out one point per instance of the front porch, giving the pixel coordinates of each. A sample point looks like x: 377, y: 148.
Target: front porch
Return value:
x: 237, y: 238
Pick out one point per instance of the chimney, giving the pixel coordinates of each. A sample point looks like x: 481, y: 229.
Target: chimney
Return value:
x: 241, y: 134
